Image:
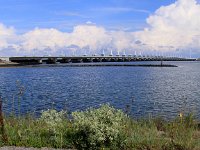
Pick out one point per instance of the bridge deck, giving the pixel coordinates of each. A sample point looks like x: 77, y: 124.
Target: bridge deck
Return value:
x: 76, y: 59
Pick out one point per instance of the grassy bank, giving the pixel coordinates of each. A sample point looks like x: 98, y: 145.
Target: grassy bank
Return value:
x: 102, y: 128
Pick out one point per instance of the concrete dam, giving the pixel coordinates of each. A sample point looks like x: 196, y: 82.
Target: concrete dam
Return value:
x: 87, y: 59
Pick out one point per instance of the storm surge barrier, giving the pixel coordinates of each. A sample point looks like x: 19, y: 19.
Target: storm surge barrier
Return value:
x: 88, y: 59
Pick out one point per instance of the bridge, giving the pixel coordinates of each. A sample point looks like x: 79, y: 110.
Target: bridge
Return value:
x: 87, y: 59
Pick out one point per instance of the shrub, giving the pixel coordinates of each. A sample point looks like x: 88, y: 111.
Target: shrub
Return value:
x: 53, y: 119
x: 102, y: 127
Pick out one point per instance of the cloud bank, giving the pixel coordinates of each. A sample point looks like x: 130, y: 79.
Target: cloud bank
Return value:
x: 176, y: 25
x: 6, y: 34
x: 172, y: 28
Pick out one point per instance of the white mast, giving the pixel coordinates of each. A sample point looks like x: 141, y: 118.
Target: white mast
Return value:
x: 118, y: 53
x: 111, y: 53
x: 124, y: 53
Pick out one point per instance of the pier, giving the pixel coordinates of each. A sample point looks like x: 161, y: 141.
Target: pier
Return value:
x: 87, y: 59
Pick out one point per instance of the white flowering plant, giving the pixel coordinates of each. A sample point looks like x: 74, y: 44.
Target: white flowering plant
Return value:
x: 99, y: 127
x: 53, y: 119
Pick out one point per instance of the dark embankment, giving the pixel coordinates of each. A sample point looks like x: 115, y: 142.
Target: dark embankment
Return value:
x: 9, y: 64
x: 121, y: 65
x: 86, y: 65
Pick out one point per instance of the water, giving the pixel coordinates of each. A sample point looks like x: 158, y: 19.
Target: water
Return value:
x: 148, y: 91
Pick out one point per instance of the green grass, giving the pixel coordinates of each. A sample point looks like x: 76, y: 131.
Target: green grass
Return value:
x: 151, y: 134
x: 30, y: 132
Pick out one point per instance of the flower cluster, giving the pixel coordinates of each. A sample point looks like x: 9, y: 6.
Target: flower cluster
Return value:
x: 102, y: 125
x: 53, y: 118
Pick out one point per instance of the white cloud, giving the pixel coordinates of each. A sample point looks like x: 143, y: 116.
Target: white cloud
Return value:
x: 170, y: 28
x: 123, y: 40
x: 71, y: 14
x: 6, y: 35
x: 87, y: 37
x: 120, y: 10
x: 41, y: 39
x: 175, y: 25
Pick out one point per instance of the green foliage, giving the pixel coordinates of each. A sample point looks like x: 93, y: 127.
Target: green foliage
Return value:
x: 100, y: 127
x: 31, y: 132
x: 144, y: 135
x: 53, y: 119
x: 181, y: 133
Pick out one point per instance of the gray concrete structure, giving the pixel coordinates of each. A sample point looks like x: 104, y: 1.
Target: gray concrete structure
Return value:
x: 4, y: 58
x: 87, y: 59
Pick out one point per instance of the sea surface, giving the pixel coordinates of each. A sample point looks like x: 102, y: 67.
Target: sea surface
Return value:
x: 140, y: 91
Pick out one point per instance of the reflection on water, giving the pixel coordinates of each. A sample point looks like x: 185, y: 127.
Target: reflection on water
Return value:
x: 156, y: 91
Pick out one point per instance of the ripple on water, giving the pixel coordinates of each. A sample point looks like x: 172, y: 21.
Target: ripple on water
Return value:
x: 157, y: 91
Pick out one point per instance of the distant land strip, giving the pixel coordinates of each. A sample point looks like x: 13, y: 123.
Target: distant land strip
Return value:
x: 88, y: 65
x: 118, y: 65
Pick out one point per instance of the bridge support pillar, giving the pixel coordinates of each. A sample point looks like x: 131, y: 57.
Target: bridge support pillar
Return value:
x: 51, y: 60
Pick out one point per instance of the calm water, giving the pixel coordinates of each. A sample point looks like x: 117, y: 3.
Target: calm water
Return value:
x: 157, y: 91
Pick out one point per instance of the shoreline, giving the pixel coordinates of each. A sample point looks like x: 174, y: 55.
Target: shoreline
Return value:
x: 55, y: 130
x: 16, y: 65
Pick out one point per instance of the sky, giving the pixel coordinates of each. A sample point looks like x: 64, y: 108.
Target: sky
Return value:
x: 65, y: 27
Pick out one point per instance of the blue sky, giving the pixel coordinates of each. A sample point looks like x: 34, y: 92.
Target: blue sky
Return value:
x: 66, y: 26
x: 128, y: 15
